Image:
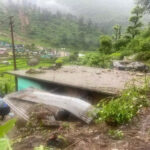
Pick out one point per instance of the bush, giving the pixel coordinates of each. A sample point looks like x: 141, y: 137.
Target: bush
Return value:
x: 116, y: 134
x: 125, y: 53
x: 96, y: 60
x: 143, y: 56
x: 59, y: 62
x: 105, y: 44
x: 115, y: 56
x: 121, y: 110
x: 145, y: 45
x: 74, y: 56
x: 118, y: 45
x: 134, y: 45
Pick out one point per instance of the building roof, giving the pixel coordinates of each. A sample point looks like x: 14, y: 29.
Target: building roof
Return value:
x: 93, y: 79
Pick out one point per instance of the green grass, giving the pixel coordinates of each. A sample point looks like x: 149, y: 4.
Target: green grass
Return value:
x: 7, y: 82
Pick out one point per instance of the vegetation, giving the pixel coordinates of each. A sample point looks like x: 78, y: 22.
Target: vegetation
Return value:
x: 7, y: 83
x: 5, y: 143
x: 134, y: 28
x: 116, y: 134
x: 122, y: 109
x: 51, y: 30
x: 105, y: 44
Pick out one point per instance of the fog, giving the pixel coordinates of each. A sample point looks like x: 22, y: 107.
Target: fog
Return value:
x: 98, y: 10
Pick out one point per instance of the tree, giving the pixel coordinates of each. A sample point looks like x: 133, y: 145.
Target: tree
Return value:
x: 31, y: 47
x: 74, y: 56
x: 105, y: 44
x: 145, y: 4
x: 117, y: 32
x: 134, y: 28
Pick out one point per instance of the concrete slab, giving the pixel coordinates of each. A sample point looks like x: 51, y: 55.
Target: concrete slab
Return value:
x: 93, y: 79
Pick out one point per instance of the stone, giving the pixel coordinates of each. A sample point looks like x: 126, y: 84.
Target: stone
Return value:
x: 130, y: 66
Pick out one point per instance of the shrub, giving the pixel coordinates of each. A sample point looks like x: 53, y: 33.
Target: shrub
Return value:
x: 116, y: 134
x: 96, y: 60
x: 134, y: 45
x: 105, y: 44
x: 74, y: 56
x: 143, y: 56
x: 118, y: 45
x: 115, y: 56
x: 121, y: 110
x: 59, y: 62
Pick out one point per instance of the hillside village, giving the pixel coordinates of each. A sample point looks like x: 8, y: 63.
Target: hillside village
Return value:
x: 6, y: 51
x: 74, y: 75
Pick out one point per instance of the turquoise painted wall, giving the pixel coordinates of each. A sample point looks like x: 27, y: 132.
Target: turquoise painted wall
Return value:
x: 26, y: 83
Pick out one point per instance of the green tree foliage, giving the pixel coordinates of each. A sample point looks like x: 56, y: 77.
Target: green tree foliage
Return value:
x: 145, y: 4
x: 74, y: 56
x: 117, y: 32
x: 96, y: 60
x: 134, y: 28
x: 31, y: 47
x: 120, y: 44
x: 105, y: 44
x: 52, y: 30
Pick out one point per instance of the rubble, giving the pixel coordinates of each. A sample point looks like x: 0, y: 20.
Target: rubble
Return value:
x: 21, y: 101
x: 130, y: 66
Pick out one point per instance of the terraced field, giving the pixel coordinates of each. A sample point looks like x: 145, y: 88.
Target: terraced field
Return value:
x: 7, y: 83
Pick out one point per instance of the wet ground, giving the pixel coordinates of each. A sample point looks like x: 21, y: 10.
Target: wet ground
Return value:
x: 79, y: 136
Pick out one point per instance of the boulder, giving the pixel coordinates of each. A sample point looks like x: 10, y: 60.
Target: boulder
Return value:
x: 130, y: 66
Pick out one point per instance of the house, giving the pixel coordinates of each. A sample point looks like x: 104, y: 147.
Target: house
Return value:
x: 3, y: 52
x: 81, y: 82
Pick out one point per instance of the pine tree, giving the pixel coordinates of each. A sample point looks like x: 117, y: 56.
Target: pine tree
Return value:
x: 136, y: 24
x: 117, y: 32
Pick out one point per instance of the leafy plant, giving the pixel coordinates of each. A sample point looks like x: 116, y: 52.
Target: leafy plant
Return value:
x: 105, y: 44
x: 5, y: 144
x: 121, y: 110
x: 116, y: 134
x: 4, y: 129
x: 59, y: 62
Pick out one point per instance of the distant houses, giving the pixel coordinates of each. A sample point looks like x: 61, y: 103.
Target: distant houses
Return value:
x: 6, y: 51
x: 3, y: 52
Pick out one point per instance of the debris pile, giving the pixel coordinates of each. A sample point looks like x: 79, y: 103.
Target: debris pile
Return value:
x: 34, y: 71
x: 130, y: 66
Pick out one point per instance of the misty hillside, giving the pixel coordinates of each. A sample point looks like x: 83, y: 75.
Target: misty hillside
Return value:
x: 65, y: 23
x: 104, y: 12
x: 50, y: 29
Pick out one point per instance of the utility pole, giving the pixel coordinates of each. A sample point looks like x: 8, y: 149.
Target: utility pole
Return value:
x: 13, y: 44
x: 13, y: 48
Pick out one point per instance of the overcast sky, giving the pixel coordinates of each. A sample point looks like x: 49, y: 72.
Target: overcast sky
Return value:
x: 71, y: 5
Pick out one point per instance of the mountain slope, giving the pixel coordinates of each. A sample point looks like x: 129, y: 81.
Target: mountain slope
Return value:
x: 53, y: 30
x: 59, y: 23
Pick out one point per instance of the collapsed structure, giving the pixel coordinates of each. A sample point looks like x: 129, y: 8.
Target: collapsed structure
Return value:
x: 69, y: 88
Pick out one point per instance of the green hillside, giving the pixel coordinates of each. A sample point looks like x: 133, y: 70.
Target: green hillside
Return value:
x: 51, y: 30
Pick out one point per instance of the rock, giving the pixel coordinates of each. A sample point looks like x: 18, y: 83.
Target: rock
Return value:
x: 50, y: 123
x: 34, y: 71
x: 98, y: 72
x: 130, y: 66
x: 33, y: 62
